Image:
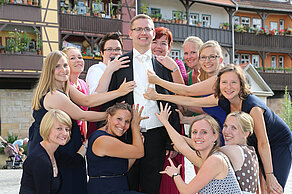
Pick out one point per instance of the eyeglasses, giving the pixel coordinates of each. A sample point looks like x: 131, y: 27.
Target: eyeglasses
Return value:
x: 211, y: 58
x: 115, y: 50
x: 140, y: 29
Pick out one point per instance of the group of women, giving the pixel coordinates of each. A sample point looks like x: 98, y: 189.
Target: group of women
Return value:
x: 58, y: 136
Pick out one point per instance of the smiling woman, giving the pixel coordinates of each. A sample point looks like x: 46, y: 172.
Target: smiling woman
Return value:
x: 108, y: 158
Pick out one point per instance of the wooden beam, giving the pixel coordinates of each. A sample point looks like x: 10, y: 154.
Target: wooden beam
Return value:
x: 2, y: 27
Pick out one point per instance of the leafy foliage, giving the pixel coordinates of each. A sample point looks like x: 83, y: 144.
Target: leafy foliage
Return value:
x: 286, y: 112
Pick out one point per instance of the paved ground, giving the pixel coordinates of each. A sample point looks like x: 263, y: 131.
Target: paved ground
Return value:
x: 10, y: 181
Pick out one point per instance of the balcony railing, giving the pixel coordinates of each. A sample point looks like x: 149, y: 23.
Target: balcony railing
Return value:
x: 89, y: 24
x: 182, y: 31
x: 14, y: 65
x: 261, y: 42
x: 277, y: 81
x: 20, y: 12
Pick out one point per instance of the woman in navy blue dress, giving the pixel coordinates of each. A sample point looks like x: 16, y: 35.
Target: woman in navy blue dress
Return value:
x: 52, y: 92
x: 272, y: 138
x: 41, y: 168
x: 108, y: 158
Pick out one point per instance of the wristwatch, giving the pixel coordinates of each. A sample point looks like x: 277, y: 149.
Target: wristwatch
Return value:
x: 175, y: 69
x: 175, y: 174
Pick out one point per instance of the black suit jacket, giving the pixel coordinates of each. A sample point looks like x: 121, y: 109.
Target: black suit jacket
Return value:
x: 164, y: 73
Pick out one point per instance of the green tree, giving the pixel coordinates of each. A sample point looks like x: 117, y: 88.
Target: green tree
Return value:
x: 286, y: 112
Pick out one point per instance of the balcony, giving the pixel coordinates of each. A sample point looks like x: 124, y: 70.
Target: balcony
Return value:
x: 89, y: 24
x: 20, y: 66
x: 277, y: 80
x: 182, y: 31
x: 20, y: 12
x: 261, y: 42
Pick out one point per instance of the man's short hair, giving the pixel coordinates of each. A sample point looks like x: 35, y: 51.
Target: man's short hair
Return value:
x: 140, y: 16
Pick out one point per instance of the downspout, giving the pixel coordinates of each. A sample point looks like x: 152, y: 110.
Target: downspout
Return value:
x: 232, y: 29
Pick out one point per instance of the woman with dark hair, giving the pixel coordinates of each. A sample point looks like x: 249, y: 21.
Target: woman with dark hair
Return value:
x: 99, y: 75
x: 272, y: 138
x: 108, y: 158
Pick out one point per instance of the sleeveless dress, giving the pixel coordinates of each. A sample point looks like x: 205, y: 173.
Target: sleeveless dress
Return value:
x: 278, y: 132
x: 248, y: 175
x: 71, y: 166
x: 106, y: 174
x: 227, y: 185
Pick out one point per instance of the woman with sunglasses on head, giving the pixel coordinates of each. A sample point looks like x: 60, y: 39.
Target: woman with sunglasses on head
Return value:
x: 272, y: 138
x: 99, y: 75
x: 76, y: 64
x: 108, y: 158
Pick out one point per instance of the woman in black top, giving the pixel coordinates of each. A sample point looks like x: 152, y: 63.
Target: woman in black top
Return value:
x: 40, y: 169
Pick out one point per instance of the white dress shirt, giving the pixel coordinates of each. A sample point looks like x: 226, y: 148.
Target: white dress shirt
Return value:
x: 142, y: 63
x: 93, y: 76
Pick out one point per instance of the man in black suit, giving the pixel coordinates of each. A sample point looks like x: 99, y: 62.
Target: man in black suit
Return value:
x: 145, y: 172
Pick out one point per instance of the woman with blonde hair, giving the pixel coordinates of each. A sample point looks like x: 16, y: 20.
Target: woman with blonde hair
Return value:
x: 216, y: 174
x: 76, y: 64
x: 41, y: 168
x: 54, y: 92
x: 237, y: 128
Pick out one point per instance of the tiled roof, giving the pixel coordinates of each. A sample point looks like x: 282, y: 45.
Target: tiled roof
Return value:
x: 265, y: 5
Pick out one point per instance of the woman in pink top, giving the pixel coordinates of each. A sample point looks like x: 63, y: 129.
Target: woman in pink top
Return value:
x: 76, y: 64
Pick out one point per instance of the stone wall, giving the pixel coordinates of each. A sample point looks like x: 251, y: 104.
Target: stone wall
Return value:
x: 275, y: 104
x: 16, y: 113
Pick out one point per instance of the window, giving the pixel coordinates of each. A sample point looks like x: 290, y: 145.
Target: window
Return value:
x: 245, y: 21
x: 244, y: 58
x: 0, y: 41
x: 155, y: 11
x: 194, y: 18
x: 274, y: 25
x: 256, y: 23
x: 281, y: 25
x: 175, y: 54
x: 181, y: 14
x: 236, y: 59
x: 206, y: 20
x: 256, y: 60
x: 281, y: 61
x: 236, y: 20
x: 274, y: 62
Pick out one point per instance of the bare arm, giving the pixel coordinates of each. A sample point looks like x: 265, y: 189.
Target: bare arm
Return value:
x: 176, y: 138
x: 264, y: 149
x: 208, y: 101
x: 197, y: 89
x: 213, y: 167
x: 58, y: 100
x: 98, y: 99
x: 170, y: 64
x: 112, y: 66
x: 111, y: 146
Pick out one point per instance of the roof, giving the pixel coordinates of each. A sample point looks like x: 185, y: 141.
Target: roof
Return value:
x: 223, y: 3
x: 265, y: 5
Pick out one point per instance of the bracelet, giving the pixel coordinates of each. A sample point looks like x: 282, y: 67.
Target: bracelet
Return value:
x: 269, y: 173
x: 84, y: 146
x: 175, y: 174
x: 175, y: 69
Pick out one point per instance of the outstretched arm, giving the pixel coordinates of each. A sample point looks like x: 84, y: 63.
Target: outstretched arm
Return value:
x: 208, y: 101
x: 197, y: 89
x: 101, y: 98
x: 176, y: 138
